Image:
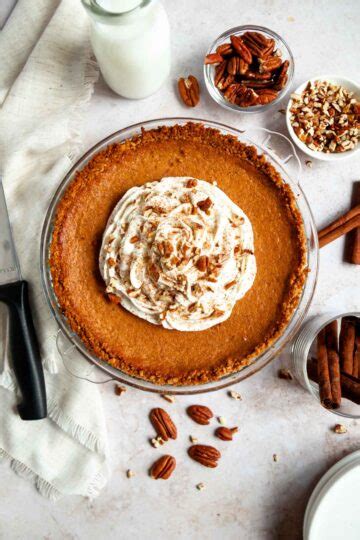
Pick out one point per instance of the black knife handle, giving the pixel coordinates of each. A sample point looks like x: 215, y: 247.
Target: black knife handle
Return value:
x: 25, y: 353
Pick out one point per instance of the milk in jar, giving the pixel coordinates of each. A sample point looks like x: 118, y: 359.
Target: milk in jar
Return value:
x: 131, y: 42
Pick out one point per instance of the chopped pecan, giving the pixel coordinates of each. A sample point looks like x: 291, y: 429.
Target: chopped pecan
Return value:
x: 163, y: 468
x: 189, y: 90
x: 163, y: 424
x: 201, y: 263
x: 230, y: 284
x: 204, y: 454
x: 114, y: 299
x: 217, y: 313
x: 192, y: 182
x: 200, y: 414
x: 285, y: 374
x: 205, y: 205
x: 168, y: 249
x: 153, y: 272
x: 119, y: 390
x: 225, y: 434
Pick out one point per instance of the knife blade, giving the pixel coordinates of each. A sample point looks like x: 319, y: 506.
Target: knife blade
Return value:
x: 24, y: 347
x: 9, y: 263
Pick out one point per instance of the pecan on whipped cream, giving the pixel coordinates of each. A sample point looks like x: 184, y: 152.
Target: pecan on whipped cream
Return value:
x: 178, y: 253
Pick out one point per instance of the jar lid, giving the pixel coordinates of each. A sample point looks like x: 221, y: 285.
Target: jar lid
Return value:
x: 333, y: 510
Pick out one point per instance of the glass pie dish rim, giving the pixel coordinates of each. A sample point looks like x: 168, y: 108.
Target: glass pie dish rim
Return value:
x: 258, y: 362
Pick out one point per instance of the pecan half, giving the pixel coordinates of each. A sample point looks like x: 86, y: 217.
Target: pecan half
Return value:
x: 206, y: 455
x: 225, y: 434
x: 247, y: 98
x: 225, y: 49
x: 200, y: 414
x: 258, y: 84
x: 253, y: 75
x: 243, y: 67
x: 233, y: 65
x: 189, y: 90
x: 163, y: 468
x: 232, y: 92
x: 225, y: 82
x: 241, y: 49
x: 163, y: 424
x: 258, y: 44
x: 213, y: 58
x: 219, y: 72
x: 266, y: 95
x: 269, y: 64
x: 282, y: 77
x: 256, y: 37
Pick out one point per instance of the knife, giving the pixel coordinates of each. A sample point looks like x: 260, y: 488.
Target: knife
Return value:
x: 24, y: 347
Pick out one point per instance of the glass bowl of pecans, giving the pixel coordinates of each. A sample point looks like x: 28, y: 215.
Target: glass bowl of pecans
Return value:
x: 248, y: 69
x: 323, y: 117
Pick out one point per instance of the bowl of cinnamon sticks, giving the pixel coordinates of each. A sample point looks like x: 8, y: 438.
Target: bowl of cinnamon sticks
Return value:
x: 326, y: 361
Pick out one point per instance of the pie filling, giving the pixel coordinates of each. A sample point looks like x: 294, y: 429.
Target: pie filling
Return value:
x: 178, y: 253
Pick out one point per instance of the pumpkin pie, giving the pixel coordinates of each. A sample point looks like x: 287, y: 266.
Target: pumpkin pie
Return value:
x: 178, y: 256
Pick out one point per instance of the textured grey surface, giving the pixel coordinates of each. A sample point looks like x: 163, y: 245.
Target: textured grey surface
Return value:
x: 249, y: 496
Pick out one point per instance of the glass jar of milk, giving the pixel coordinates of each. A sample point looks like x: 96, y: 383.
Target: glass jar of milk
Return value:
x: 131, y: 42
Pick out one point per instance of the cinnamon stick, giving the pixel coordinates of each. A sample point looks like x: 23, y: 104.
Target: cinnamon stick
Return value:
x: 355, y: 235
x: 323, y: 373
x: 355, y: 250
x: 355, y: 211
x: 343, y: 228
x: 356, y: 368
x: 333, y: 361
x: 350, y: 385
x: 346, y: 346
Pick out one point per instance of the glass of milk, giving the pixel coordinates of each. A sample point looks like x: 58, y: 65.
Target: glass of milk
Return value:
x: 131, y: 42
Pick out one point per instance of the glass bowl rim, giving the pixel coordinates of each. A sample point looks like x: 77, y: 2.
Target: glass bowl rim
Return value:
x: 209, y: 79
x: 233, y: 378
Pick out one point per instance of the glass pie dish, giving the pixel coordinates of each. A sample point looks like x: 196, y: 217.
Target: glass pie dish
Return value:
x: 69, y: 343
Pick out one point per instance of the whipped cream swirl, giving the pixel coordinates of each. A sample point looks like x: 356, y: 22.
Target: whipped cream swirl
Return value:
x: 178, y: 252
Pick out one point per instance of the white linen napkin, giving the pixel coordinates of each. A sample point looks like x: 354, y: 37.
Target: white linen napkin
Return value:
x: 46, y: 80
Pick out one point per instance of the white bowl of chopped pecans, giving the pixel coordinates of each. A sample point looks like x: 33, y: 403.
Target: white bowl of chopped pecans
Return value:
x: 322, y: 117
